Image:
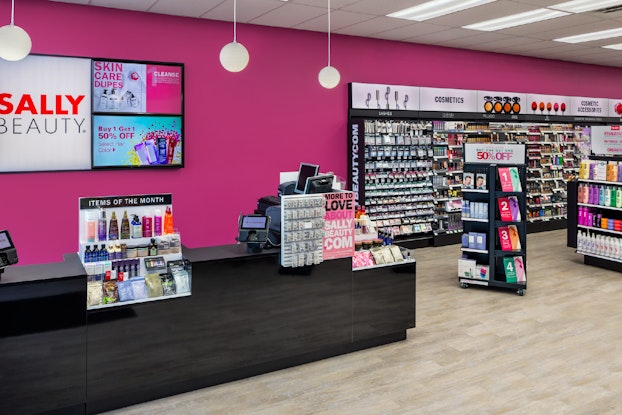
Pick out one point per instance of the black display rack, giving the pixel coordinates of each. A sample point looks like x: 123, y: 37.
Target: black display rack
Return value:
x: 493, y: 256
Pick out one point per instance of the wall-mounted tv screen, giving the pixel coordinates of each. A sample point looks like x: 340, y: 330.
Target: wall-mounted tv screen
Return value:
x: 137, y: 114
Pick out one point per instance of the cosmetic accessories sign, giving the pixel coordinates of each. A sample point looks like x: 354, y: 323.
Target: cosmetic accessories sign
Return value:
x: 45, y: 114
x: 385, y: 97
x: 487, y: 153
x: 338, y: 225
x: 133, y: 141
x: 607, y: 139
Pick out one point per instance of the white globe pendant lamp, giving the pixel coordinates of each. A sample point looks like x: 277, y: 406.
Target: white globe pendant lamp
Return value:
x: 234, y: 56
x: 329, y: 76
x: 15, y: 44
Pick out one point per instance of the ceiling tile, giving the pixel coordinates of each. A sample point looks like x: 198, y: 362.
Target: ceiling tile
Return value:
x: 137, y: 5
x: 189, y: 8
x: 289, y: 15
x: 373, y: 26
x: 409, y: 31
x: 481, y: 13
x: 247, y: 10
x: 381, y: 7
x: 338, y: 19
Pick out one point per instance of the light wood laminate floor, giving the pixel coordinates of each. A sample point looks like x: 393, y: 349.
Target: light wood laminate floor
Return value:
x: 556, y: 350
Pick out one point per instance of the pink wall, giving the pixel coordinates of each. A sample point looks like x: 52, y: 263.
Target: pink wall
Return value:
x: 242, y: 129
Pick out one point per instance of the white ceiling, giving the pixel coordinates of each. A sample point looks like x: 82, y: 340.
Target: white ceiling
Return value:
x: 367, y: 18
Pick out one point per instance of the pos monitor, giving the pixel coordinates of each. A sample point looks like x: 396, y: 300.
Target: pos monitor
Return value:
x: 304, y: 172
x: 319, y: 184
x: 8, y: 254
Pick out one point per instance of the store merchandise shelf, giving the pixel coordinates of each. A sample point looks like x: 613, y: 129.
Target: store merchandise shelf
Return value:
x: 477, y: 251
x: 600, y: 206
x: 593, y: 228
x: 608, y: 258
x: 600, y: 182
x: 474, y: 220
x: 146, y: 300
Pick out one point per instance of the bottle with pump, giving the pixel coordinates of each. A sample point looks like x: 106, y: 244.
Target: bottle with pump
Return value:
x: 125, y: 226
x: 137, y: 227
x: 113, y: 229
x: 102, y: 233
x: 168, y: 221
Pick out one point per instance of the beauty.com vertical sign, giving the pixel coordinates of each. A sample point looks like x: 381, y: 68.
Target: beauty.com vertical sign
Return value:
x: 45, y: 114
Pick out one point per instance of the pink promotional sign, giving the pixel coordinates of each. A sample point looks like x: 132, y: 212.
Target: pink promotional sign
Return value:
x: 164, y: 89
x: 339, y: 225
x: 137, y: 88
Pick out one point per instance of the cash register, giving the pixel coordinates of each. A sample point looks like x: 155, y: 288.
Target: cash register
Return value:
x: 8, y: 253
x: 253, y: 229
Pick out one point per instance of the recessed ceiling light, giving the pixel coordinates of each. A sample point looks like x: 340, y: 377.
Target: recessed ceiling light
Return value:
x: 588, y: 37
x: 579, y: 6
x: 519, y: 19
x: 617, y: 46
x: 436, y: 8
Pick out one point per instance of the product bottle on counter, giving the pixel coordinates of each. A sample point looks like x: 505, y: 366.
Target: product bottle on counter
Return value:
x: 102, y: 233
x: 153, y: 248
x: 147, y: 225
x: 157, y: 223
x: 113, y: 230
x: 168, y: 221
x: 137, y: 227
x: 90, y: 227
x: 87, y: 254
x: 125, y: 226
x: 103, y: 253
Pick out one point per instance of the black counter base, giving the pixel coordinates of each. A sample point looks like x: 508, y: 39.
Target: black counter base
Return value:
x: 122, y: 399
x: 602, y: 263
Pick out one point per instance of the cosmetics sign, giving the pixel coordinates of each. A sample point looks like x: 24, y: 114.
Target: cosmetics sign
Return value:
x: 607, y: 139
x: 338, y: 225
x: 589, y: 107
x: 45, y: 114
x: 134, y: 141
x: 547, y: 104
x: 448, y: 100
x: 384, y: 97
x: 495, y: 102
x: 490, y: 153
x: 127, y: 87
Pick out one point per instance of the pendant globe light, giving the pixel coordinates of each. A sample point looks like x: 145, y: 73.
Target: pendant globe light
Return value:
x: 234, y: 56
x: 329, y: 76
x: 15, y: 44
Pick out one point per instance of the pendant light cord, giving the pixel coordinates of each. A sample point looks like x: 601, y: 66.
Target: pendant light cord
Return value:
x: 328, y: 32
x: 12, y: 12
x: 235, y: 8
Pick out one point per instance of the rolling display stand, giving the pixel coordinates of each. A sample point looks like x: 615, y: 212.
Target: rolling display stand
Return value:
x: 494, y: 206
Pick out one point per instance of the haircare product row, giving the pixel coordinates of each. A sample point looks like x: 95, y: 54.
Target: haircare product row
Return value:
x: 169, y: 244
x: 600, y: 170
x: 603, y: 245
x: 593, y: 218
x: 149, y: 224
x: 598, y: 194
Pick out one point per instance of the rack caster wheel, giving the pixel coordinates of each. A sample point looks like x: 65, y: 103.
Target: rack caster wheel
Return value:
x: 520, y: 292
x: 464, y: 285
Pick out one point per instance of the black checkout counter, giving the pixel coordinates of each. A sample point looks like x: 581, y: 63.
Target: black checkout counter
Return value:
x: 246, y: 316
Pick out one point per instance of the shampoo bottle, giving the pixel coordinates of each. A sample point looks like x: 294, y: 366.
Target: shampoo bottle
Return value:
x: 147, y: 225
x: 113, y: 230
x: 125, y: 226
x: 90, y: 227
x: 157, y: 223
x: 168, y: 221
x: 137, y: 228
x: 102, y: 233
